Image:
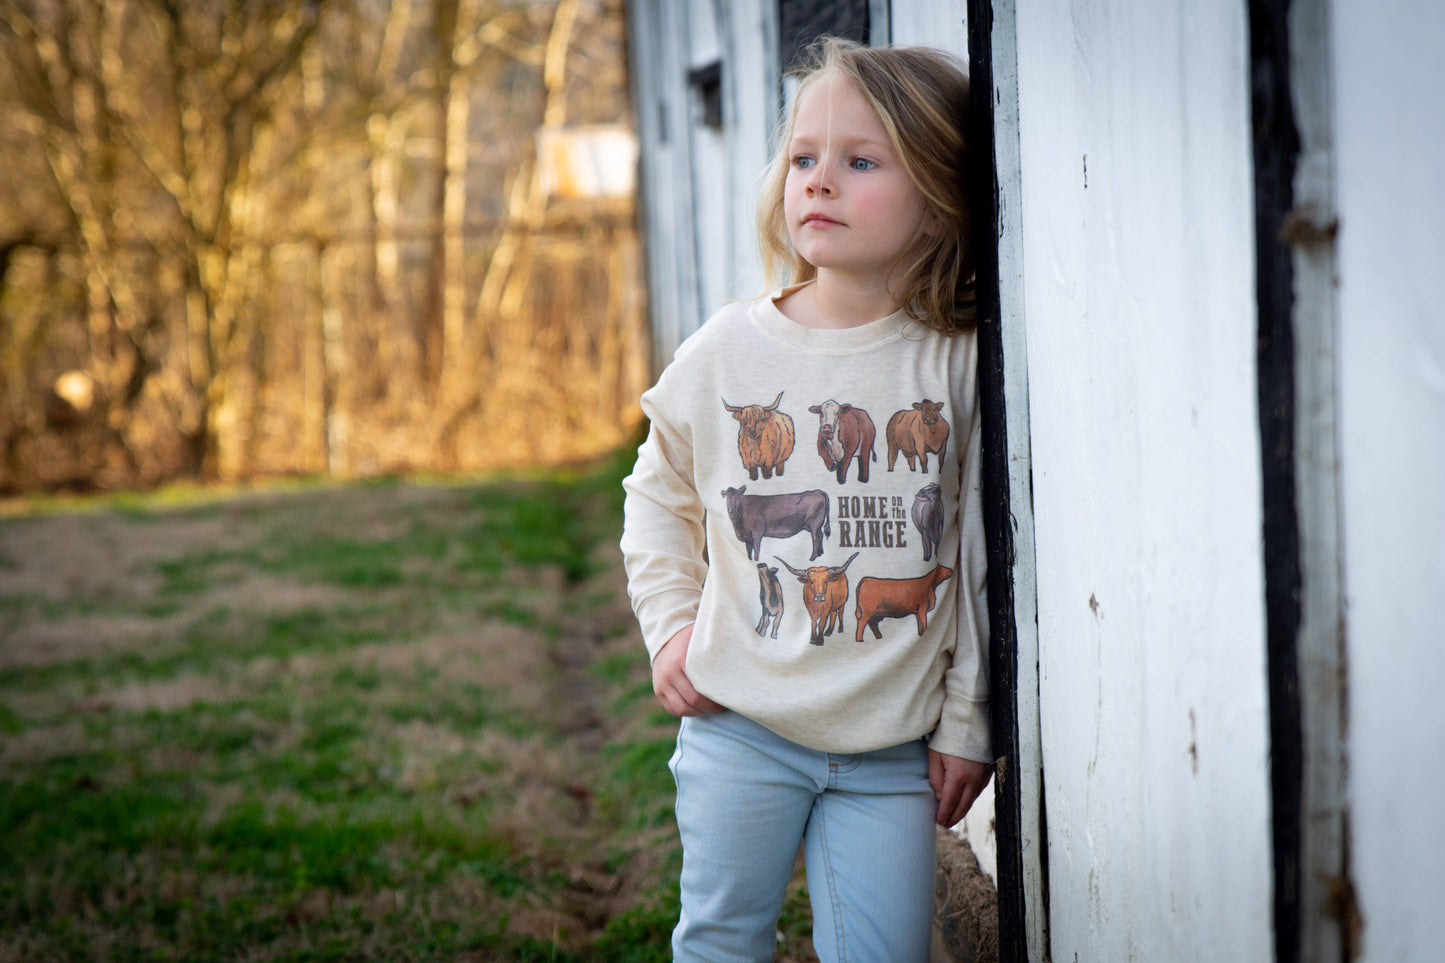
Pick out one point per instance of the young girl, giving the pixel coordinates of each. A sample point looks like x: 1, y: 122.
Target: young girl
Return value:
x: 813, y: 604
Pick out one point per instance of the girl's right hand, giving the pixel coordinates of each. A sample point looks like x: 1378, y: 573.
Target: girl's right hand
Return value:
x: 670, y: 682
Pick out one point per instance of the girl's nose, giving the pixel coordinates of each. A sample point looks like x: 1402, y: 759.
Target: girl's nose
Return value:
x: 820, y: 180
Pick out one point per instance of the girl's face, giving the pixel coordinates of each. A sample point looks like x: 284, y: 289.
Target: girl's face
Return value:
x: 851, y: 208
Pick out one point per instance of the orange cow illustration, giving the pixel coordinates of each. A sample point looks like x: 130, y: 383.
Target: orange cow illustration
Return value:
x: 896, y: 598
x: 765, y: 437
x: 825, y: 592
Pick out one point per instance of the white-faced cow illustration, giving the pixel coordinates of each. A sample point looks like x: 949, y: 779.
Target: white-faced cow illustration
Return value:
x: 844, y: 431
x: 928, y: 517
x: 765, y: 437
x: 770, y: 596
x: 917, y: 431
x: 756, y: 517
x: 825, y: 592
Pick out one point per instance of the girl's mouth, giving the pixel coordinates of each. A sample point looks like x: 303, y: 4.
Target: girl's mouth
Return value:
x: 820, y: 220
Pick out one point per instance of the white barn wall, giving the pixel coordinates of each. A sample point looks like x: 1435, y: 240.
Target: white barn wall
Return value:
x: 661, y: 106
x: 937, y: 24
x: 1390, y: 145
x: 699, y: 184
x: 1137, y: 223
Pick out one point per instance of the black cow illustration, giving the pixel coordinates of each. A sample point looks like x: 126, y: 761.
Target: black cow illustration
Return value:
x: 928, y: 517
x: 770, y: 595
x: 756, y: 517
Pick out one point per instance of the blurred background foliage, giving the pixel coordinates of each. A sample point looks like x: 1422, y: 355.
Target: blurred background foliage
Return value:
x: 267, y: 237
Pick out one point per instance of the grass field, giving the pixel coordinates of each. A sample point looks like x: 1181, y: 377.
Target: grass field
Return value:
x: 390, y: 721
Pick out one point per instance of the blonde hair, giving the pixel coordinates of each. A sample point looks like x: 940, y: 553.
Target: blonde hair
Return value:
x: 921, y: 97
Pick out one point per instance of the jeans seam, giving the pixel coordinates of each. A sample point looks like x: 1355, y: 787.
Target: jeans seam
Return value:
x: 833, y: 898
x: 676, y: 760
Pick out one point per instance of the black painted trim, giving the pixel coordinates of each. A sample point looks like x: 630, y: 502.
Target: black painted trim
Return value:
x: 1276, y: 155
x: 997, y: 518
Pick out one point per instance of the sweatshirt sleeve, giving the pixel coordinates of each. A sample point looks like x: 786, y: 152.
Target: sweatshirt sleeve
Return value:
x: 663, y: 539
x: 963, y: 728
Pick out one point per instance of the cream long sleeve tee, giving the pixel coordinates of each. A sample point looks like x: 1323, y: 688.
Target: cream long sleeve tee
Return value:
x: 810, y: 499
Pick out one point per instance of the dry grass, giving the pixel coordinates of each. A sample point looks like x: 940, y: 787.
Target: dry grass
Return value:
x: 374, y: 722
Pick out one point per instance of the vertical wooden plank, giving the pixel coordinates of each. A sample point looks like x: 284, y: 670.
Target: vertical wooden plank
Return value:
x: 659, y: 41
x: 1388, y: 141
x: 1327, y: 909
x: 1008, y: 508
x: 1137, y: 230
x: 931, y: 24
x: 1295, y: 239
x: 748, y: 30
x: 880, y: 23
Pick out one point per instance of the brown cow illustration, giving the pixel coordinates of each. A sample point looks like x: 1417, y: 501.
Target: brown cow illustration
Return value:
x: 896, y: 598
x: 770, y: 594
x: 916, y: 432
x: 765, y: 437
x: 825, y: 592
x: 842, y: 432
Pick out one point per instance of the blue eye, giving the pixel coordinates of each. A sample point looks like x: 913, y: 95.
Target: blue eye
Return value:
x: 862, y: 164
x: 802, y: 162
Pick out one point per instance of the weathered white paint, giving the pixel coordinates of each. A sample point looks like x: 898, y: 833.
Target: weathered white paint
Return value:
x: 941, y: 25
x: 711, y: 164
x: 750, y: 114
x: 700, y: 183
x: 1138, y: 289
x: 1390, y: 146
x: 661, y: 107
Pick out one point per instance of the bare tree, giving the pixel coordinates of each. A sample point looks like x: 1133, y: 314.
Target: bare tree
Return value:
x: 304, y: 235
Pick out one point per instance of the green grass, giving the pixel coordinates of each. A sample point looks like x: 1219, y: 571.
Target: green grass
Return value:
x: 330, y: 729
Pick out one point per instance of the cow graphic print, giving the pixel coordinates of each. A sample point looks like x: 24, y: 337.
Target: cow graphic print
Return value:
x: 845, y: 431
x: 846, y: 446
x: 765, y: 437
x: 915, y: 432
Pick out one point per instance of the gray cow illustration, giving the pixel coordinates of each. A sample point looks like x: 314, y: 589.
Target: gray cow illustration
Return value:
x: 928, y: 517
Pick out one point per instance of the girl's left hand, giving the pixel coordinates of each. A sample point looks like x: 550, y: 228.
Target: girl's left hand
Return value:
x: 956, y: 782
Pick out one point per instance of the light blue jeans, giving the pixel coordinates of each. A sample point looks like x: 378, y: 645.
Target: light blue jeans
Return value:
x: 746, y: 797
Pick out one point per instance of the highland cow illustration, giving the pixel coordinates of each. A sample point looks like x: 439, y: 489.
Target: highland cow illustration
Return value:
x: 825, y: 592
x: 756, y: 517
x: 765, y: 437
x: 896, y: 598
x: 842, y: 432
x: 917, y: 432
x: 928, y: 517
x: 770, y: 594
